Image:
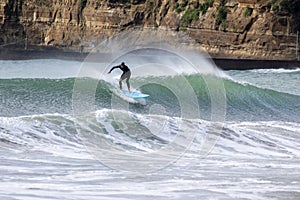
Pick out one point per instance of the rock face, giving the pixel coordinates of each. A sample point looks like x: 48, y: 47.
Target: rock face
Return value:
x: 259, y: 29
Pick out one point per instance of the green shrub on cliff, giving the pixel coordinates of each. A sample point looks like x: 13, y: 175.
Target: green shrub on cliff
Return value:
x: 192, y: 14
x: 177, y: 7
x: 189, y: 15
x: 222, y: 15
x: 270, y: 3
x: 273, y: 4
x: 82, y: 4
x: 223, y: 2
x: 98, y: 4
x: 204, y: 6
x: 210, y: 3
x: 184, y: 3
x: 43, y: 3
x: 290, y: 6
x: 248, y: 12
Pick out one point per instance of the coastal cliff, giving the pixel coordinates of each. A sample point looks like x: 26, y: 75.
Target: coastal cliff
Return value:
x: 256, y: 29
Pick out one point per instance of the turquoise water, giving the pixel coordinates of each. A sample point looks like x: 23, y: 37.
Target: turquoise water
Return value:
x: 48, y: 151
x: 244, y: 101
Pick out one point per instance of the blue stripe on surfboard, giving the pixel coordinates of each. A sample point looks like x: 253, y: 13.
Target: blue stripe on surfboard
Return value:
x: 135, y: 95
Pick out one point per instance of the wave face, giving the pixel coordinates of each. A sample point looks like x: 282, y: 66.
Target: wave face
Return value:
x: 244, y: 101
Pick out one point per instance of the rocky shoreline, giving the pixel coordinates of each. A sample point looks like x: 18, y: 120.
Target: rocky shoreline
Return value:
x: 222, y: 63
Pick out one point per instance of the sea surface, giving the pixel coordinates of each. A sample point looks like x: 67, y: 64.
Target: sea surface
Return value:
x: 228, y: 135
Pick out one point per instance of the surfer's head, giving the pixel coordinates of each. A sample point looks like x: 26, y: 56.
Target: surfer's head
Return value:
x: 122, y: 63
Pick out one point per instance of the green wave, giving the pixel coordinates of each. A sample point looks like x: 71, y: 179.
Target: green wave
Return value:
x: 244, y: 101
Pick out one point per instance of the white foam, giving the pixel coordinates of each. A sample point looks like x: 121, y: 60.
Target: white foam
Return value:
x: 281, y: 70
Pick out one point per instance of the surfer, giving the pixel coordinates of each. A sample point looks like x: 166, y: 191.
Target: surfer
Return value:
x: 126, y: 74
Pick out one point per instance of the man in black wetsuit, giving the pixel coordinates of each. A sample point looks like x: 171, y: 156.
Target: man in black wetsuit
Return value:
x: 126, y: 74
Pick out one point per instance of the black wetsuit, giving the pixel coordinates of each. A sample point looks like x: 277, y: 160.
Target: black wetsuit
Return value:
x: 126, y: 74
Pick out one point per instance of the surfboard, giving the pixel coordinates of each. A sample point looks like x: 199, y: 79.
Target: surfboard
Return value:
x: 135, y: 94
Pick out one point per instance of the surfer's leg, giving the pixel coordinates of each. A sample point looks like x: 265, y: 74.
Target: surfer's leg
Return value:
x: 128, y: 74
x: 123, y: 76
x: 128, y: 85
x: 120, y: 83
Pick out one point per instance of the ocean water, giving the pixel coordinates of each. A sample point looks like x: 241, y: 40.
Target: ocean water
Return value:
x: 188, y: 140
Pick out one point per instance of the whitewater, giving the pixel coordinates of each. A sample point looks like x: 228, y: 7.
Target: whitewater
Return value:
x: 52, y: 148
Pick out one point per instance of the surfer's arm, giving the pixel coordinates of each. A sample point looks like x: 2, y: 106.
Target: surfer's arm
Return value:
x: 113, y: 68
